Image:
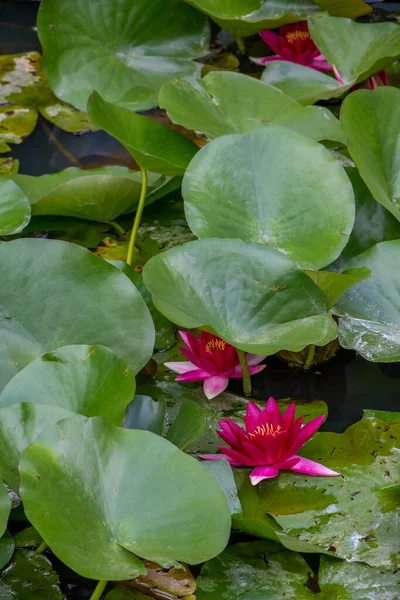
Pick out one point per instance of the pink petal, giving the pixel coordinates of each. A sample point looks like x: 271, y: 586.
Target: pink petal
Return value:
x: 196, y: 375
x: 310, y: 467
x: 320, y: 65
x: 255, y: 359
x: 215, y: 385
x: 271, y: 39
x: 256, y: 369
x: 272, y: 414
x: 337, y: 75
x: 256, y: 454
x: 260, y: 473
x: 288, y: 463
x: 191, y: 341
x: 252, y: 418
x: 200, y: 362
x: 266, y: 59
x: 182, y: 366
x: 237, y: 372
x: 239, y: 457
x: 305, y: 433
x: 288, y: 417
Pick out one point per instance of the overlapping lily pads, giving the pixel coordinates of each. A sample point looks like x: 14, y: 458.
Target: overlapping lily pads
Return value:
x: 89, y: 380
x: 15, y: 210
x: 372, y: 123
x: 113, y: 494
x: 30, y: 575
x: 125, y: 51
x: 370, y: 312
x: 252, y: 296
x: 66, y: 296
x: 224, y: 103
x: 273, y: 187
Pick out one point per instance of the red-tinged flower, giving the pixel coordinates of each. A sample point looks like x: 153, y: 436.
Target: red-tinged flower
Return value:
x: 293, y: 44
x: 269, y: 443
x: 377, y: 80
x: 212, y: 360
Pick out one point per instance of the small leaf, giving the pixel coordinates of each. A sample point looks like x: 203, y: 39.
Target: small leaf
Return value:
x: 188, y: 425
x: 7, y: 547
x: 15, y: 210
x: 16, y: 123
x: 334, y: 285
x: 30, y: 575
x: 146, y: 414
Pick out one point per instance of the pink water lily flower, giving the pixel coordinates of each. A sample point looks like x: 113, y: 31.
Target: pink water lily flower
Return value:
x: 212, y: 360
x: 293, y: 44
x: 269, y: 443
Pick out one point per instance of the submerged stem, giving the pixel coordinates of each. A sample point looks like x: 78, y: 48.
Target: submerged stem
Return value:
x: 98, y: 592
x: 120, y: 230
x: 138, y: 216
x: 43, y: 546
x: 241, y: 44
x: 310, y: 356
x: 245, y: 372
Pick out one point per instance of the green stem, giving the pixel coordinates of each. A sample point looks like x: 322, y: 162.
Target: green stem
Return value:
x: 120, y: 230
x: 310, y: 356
x: 138, y: 216
x: 98, y: 592
x: 43, y: 546
x: 241, y: 45
x: 245, y: 372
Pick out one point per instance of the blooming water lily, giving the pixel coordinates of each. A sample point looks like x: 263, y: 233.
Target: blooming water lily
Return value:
x: 269, y: 442
x: 212, y: 360
x: 293, y: 44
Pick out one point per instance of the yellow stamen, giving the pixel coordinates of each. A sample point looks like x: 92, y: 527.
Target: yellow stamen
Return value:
x: 215, y: 344
x: 297, y: 35
x: 266, y: 430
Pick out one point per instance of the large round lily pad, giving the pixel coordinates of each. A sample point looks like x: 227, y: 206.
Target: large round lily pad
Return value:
x: 224, y: 103
x: 370, y: 312
x: 15, y: 210
x: 89, y: 380
x: 252, y: 296
x: 371, y: 120
x: 273, y: 187
x: 66, y: 295
x: 101, y: 496
x: 125, y: 50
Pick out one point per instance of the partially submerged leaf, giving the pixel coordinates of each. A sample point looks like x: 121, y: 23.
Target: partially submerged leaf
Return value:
x: 29, y: 575
x: 67, y: 117
x: 7, y: 547
x: 107, y: 508
x: 16, y: 123
x: 155, y: 147
x: 89, y: 380
x: 15, y: 210
x: 9, y: 166
x: 22, y: 81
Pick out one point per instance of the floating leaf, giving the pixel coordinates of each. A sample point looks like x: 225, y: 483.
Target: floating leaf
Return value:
x: 89, y: 380
x: 222, y: 472
x: 370, y: 312
x: 20, y: 425
x: 15, y: 210
x: 357, y: 50
x: 7, y: 547
x: 97, y: 194
x: 224, y: 103
x: 355, y: 515
x: 154, y: 146
x: 334, y: 285
x: 104, y: 505
x: 253, y: 571
x: 188, y: 425
x: 125, y: 52
x: 145, y: 414
x: 5, y: 507
x: 209, y: 284
x: 67, y: 117
x: 345, y: 8
x: 266, y: 187
x: 16, y: 123
x: 27, y: 538
x: 83, y: 233
x: 66, y: 296
x: 246, y: 17
x: 29, y: 575
x: 9, y: 166
x: 372, y: 123
x: 22, y: 80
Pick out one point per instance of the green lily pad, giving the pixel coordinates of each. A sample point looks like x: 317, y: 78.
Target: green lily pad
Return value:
x: 222, y: 472
x: 266, y: 187
x: 254, y: 571
x: 89, y: 380
x: 27, y: 539
x: 246, y: 17
x: 145, y: 414
x: 125, y: 52
x: 345, y: 8
x: 83, y: 233
x: 66, y: 296
x: 22, y: 80
x: 5, y: 507
x: 355, y: 515
x: 224, y: 103
x: 302, y: 83
x: 15, y: 210
x: 189, y: 424
x: 334, y: 285
x: 30, y: 575
x: 19, y: 426
x: 372, y: 123
x: 16, y: 123
x: 370, y: 312
x: 7, y: 547
x: 373, y: 222
x: 97, y: 194
x: 357, y: 50
x: 339, y: 579
x: 105, y: 508
x: 67, y: 117
x: 155, y: 147
x: 9, y: 166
